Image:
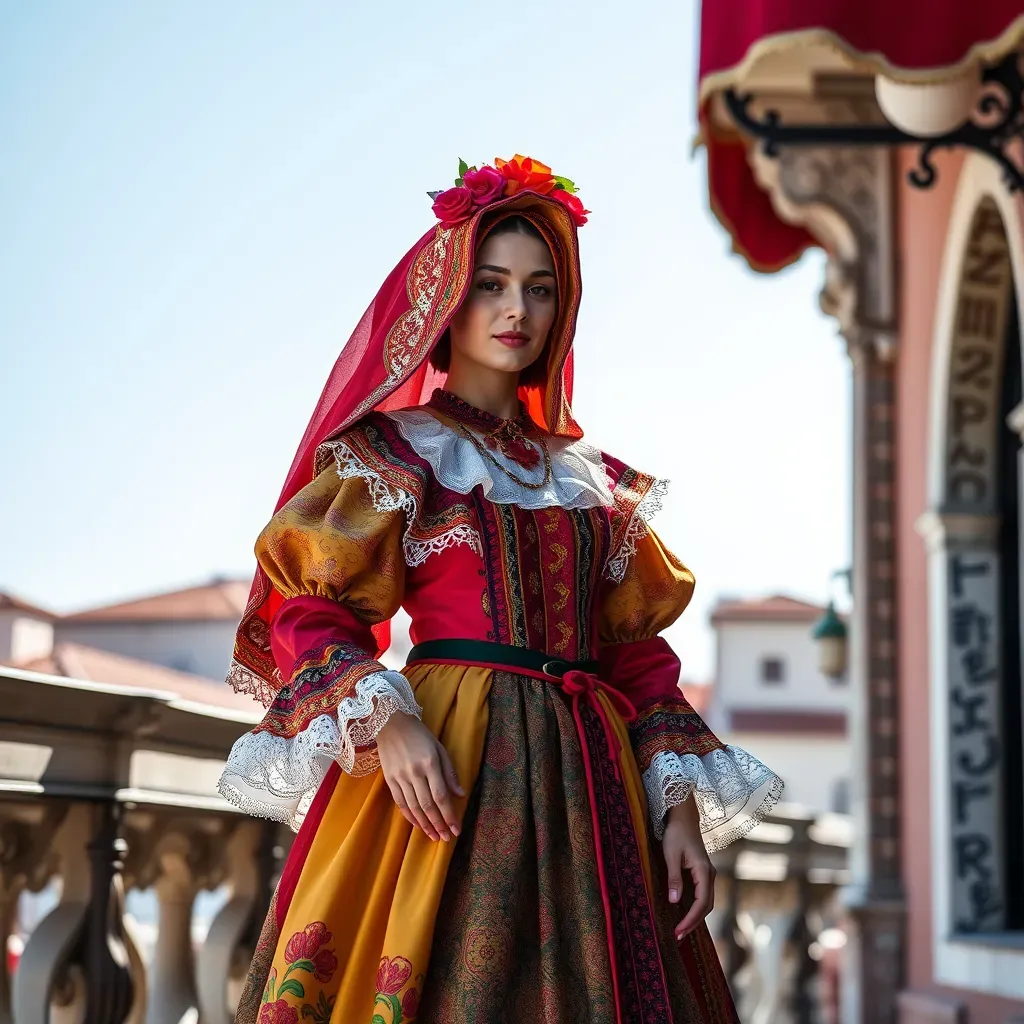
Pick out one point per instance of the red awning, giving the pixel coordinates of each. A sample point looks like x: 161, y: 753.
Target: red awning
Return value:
x: 911, y: 41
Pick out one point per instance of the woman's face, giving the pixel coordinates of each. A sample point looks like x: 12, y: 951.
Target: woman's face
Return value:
x: 504, y: 321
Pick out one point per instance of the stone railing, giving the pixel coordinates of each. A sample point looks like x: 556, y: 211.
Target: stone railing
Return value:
x: 777, y: 917
x: 104, y: 789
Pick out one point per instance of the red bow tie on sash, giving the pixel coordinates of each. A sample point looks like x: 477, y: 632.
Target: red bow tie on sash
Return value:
x: 580, y: 685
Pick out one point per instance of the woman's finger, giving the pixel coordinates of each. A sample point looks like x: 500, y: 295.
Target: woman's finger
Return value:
x: 674, y: 863
x: 422, y: 782
x: 703, y: 898
x: 417, y: 811
x: 400, y: 802
x: 441, y: 787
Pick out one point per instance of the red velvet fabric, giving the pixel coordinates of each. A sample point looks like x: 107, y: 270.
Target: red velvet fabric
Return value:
x: 645, y: 670
x: 302, y: 623
x: 915, y: 35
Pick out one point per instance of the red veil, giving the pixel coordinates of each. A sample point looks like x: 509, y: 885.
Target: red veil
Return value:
x: 385, y: 367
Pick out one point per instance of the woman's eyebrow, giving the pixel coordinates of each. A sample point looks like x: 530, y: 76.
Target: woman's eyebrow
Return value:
x: 508, y: 273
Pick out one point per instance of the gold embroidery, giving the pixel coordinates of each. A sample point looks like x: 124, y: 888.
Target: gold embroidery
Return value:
x: 565, y: 631
x: 563, y: 593
x: 561, y: 554
x: 550, y: 517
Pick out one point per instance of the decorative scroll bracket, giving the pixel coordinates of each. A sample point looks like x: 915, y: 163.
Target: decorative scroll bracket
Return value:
x: 997, y: 123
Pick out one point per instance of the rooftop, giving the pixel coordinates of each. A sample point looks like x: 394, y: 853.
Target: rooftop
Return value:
x: 775, y: 608
x: 77, y: 661
x: 221, y: 599
x: 12, y: 603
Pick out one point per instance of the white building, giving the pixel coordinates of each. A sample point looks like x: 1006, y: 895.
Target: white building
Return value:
x: 770, y: 698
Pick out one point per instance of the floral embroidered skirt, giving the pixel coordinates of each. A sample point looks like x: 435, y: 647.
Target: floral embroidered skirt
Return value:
x: 550, y: 906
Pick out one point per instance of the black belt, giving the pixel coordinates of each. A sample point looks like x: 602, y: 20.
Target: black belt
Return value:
x: 498, y: 656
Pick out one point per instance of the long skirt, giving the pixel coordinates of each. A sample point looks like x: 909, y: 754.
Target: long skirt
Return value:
x: 550, y: 906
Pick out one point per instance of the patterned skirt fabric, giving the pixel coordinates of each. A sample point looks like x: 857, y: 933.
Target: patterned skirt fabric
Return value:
x: 549, y: 907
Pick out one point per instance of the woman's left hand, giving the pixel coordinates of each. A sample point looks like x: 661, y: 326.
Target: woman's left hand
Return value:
x: 684, y: 850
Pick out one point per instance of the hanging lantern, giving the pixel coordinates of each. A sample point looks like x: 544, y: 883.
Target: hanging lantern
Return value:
x: 830, y: 635
x: 928, y: 109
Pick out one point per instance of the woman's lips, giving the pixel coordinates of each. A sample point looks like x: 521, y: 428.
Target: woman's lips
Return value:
x: 513, y: 339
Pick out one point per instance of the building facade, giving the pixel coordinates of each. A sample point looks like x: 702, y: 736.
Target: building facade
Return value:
x: 925, y: 278
x: 769, y: 695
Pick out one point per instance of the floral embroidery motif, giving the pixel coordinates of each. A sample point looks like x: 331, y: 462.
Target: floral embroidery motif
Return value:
x: 305, y: 953
x: 393, y: 975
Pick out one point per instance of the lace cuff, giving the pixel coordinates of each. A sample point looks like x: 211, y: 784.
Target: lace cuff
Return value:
x: 734, y: 791
x: 277, y: 777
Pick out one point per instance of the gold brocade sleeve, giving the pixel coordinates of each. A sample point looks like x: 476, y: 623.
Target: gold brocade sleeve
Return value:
x: 654, y: 592
x: 330, y: 541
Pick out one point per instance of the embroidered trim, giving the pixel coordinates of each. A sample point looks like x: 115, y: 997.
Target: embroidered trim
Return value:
x: 650, y: 505
x: 244, y: 680
x: 276, y: 777
x: 388, y: 498
x: 734, y: 791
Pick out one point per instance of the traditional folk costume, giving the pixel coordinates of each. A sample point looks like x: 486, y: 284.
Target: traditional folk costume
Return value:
x: 537, y: 593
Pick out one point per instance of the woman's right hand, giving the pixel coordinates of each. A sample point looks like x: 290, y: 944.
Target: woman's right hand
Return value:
x: 420, y: 775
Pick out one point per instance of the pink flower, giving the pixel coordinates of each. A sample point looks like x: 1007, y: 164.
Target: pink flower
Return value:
x: 278, y: 1013
x: 305, y: 944
x: 486, y: 184
x: 392, y: 975
x: 572, y: 203
x: 453, y: 207
x: 410, y: 1004
x: 325, y: 963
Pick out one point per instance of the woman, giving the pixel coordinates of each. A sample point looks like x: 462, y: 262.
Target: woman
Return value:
x: 480, y: 833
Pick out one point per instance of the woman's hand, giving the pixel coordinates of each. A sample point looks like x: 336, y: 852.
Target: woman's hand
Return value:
x: 420, y: 775
x: 684, y: 849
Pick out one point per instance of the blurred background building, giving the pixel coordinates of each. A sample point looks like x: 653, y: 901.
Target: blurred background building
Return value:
x: 891, y: 137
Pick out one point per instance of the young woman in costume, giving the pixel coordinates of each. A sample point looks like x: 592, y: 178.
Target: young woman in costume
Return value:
x: 515, y: 827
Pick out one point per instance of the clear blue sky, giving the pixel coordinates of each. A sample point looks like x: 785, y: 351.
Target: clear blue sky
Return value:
x: 198, y: 200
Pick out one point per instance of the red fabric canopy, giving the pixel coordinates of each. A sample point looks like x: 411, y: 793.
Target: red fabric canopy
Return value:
x: 913, y: 40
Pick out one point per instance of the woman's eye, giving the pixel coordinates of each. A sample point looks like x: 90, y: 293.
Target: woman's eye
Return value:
x: 489, y: 286
x: 542, y: 291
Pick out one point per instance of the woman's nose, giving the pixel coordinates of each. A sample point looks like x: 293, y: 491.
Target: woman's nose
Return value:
x: 515, y: 308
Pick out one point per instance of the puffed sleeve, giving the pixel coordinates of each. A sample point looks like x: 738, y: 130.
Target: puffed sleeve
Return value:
x: 335, y: 557
x: 678, y: 755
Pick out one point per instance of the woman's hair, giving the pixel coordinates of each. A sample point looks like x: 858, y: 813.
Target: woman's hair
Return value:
x: 536, y: 372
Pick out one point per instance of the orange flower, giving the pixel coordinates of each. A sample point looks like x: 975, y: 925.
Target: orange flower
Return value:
x: 523, y: 172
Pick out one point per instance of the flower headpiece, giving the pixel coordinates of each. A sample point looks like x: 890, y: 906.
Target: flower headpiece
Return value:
x: 480, y: 186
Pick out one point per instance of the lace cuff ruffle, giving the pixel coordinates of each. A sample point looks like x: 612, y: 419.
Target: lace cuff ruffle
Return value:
x: 734, y: 791
x: 277, y: 776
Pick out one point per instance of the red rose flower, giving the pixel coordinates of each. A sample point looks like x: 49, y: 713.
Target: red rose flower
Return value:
x: 523, y: 172
x: 486, y: 185
x: 325, y: 963
x: 410, y: 1004
x: 305, y: 944
x: 392, y: 975
x: 278, y: 1013
x: 572, y: 203
x: 453, y: 207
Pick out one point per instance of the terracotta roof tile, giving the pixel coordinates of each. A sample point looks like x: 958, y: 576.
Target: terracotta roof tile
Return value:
x: 776, y: 608
x: 76, y: 661
x: 10, y: 602
x: 222, y: 599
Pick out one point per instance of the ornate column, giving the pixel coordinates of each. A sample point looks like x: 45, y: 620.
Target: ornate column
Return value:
x: 844, y: 196
x: 250, y: 860
x: 78, y: 962
x: 176, y: 858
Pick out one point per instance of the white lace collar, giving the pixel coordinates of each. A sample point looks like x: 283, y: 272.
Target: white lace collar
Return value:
x: 578, y: 475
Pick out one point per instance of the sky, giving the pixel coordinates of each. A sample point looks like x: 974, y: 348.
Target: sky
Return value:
x: 197, y: 201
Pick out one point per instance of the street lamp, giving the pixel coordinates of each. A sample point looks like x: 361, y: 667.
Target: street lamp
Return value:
x: 829, y: 634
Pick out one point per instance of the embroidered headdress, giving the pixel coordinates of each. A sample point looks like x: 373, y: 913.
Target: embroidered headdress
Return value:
x: 385, y: 366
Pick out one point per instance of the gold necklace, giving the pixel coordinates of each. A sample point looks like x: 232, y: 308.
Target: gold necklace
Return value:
x: 483, y: 450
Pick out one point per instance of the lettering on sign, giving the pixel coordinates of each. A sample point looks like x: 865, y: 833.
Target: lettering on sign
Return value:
x: 983, y: 305
x: 976, y: 757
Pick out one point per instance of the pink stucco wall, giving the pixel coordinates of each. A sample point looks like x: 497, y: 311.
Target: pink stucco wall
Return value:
x: 922, y: 225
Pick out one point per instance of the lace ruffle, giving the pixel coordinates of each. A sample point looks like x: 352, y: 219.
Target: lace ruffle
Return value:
x: 387, y: 498
x: 277, y: 777
x: 734, y: 791
x: 578, y: 475
x: 649, y: 507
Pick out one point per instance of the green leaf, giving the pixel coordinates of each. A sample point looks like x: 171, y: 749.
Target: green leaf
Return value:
x: 293, y: 987
x: 377, y: 1019
x: 458, y: 183
x: 463, y: 167
x: 565, y: 183
x: 308, y: 1010
x: 301, y: 965
x: 268, y: 992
